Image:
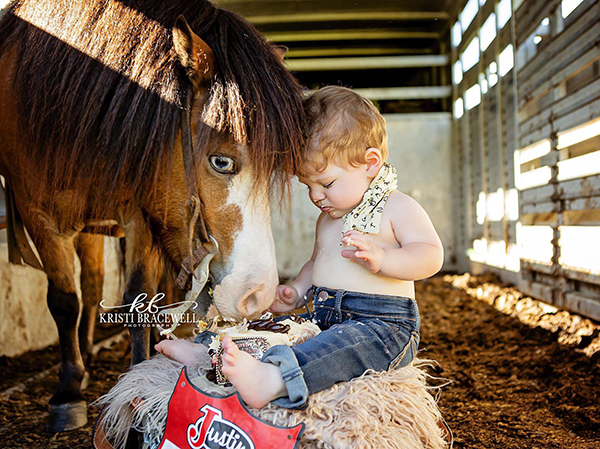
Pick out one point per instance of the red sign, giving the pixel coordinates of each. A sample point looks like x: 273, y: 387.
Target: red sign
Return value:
x: 197, y: 420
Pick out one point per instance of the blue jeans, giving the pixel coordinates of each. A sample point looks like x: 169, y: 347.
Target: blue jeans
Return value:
x: 360, y: 331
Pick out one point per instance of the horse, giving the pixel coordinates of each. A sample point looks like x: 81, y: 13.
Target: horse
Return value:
x: 175, y: 121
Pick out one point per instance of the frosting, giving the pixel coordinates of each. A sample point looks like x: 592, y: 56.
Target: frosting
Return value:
x: 289, y: 332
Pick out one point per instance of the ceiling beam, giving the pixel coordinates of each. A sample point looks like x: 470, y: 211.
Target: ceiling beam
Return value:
x: 377, y: 62
x: 338, y: 35
x: 349, y: 51
x: 333, y: 16
x: 405, y: 93
x: 266, y: 7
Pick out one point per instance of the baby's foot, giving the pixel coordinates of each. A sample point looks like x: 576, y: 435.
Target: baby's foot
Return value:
x: 182, y: 351
x: 258, y: 383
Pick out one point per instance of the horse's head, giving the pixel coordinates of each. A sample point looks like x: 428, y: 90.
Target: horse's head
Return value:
x: 233, y: 187
x: 236, y: 212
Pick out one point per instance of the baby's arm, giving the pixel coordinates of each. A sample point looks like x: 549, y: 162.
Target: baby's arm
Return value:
x: 421, y: 254
x: 290, y: 297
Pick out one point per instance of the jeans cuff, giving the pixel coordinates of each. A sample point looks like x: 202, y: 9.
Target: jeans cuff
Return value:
x: 205, y: 338
x: 293, y: 377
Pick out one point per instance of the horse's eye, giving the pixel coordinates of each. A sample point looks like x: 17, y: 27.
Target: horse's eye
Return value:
x: 222, y: 164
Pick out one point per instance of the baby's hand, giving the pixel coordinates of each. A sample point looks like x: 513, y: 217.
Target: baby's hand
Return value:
x: 366, y: 253
x: 286, y: 299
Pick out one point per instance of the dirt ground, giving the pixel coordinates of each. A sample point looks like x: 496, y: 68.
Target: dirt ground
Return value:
x: 522, y: 374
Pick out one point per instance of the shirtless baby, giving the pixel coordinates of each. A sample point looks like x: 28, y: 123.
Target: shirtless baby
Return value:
x: 372, y: 242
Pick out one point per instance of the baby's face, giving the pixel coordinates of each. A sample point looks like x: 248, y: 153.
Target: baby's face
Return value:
x: 338, y: 189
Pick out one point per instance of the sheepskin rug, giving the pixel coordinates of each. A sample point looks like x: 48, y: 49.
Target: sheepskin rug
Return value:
x: 393, y: 409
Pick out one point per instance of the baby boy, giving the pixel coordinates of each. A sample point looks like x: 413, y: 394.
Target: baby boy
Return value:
x: 372, y: 242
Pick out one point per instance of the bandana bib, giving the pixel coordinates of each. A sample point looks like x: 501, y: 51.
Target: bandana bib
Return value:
x: 366, y: 217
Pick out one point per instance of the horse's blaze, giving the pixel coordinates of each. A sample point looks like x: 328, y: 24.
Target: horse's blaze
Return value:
x: 245, y: 270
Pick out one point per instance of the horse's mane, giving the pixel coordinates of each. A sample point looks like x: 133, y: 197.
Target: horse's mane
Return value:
x: 100, y: 89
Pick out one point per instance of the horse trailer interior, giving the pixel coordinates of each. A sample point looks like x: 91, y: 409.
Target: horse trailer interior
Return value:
x: 493, y: 118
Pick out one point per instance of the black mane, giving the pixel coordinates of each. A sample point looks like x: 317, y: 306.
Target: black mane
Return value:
x: 100, y: 90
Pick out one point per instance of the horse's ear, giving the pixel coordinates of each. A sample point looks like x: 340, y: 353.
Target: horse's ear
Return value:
x: 281, y: 51
x: 194, y: 54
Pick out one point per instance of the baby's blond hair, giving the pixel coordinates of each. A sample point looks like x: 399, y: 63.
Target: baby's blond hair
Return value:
x: 342, y: 125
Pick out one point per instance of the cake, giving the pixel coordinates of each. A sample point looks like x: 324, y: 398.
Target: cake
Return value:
x: 256, y: 337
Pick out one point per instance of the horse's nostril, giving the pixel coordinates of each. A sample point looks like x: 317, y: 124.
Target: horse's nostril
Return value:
x: 253, y: 304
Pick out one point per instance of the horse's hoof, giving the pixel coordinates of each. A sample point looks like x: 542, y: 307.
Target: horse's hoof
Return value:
x: 86, y: 381
x: 69, y: 416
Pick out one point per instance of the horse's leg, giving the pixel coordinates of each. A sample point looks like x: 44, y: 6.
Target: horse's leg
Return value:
x: 142, y: 263
x: 141, y: 268
x: 173, y: 294
x: 162, y: 287
x: 90, y: 249
x: 68, y: 409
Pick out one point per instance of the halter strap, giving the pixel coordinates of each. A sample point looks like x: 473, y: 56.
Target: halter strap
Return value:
x: 194, y: 257
x: 187, y: 146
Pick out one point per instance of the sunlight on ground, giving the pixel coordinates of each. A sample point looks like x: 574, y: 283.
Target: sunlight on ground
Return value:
x: 573, y: 330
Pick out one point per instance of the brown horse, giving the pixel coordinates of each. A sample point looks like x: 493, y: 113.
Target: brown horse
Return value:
x: 93, y: 131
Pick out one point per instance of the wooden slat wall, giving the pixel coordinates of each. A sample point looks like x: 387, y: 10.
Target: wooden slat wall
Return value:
x: 558, y: 90
x: 527, y: 17
x: 476, y: 160
x: 487, y: 139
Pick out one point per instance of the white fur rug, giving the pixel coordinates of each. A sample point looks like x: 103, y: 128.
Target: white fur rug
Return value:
x: 393, y: 409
